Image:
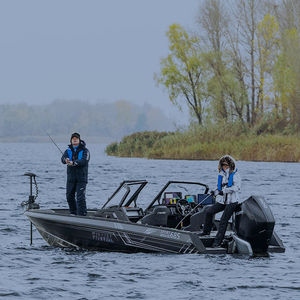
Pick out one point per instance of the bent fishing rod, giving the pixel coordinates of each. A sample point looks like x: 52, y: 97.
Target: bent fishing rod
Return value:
x: 54, y: 143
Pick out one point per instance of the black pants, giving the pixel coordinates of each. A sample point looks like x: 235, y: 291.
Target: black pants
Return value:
x: 211, y: 211
x: 77, y: 207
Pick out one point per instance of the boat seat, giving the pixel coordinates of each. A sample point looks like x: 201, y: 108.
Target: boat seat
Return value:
x: 158, y: 217
x: 113, y: 213
x: 197, y: 220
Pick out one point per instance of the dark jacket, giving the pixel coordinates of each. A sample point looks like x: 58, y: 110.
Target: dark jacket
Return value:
x: 80, y: 157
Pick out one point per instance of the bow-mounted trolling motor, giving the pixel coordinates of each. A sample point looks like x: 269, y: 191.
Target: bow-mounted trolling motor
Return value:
x: 30, y: 204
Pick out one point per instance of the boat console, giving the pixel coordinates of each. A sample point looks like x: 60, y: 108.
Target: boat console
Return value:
x: 172, y: 208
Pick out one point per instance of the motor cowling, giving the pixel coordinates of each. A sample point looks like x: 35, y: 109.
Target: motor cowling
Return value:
x: 255, y: 223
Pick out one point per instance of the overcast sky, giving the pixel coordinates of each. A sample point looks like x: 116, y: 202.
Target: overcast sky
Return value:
x: 103, y: 50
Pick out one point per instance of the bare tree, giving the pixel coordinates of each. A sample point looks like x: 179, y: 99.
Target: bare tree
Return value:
x: 239, y: 71
x: 248, y: 19
x: 289, y: 16
x: 183, y: 72
x: 238, y: 64
x: 213, y: 24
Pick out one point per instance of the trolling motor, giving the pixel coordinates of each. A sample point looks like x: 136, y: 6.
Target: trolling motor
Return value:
x: 30, y: 204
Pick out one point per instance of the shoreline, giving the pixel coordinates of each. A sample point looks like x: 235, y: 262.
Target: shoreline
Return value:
x: 57, y: 138
x: 187, y: 146
x: 196, y: 159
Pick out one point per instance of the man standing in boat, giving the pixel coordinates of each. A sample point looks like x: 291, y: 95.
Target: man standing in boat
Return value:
x: 76, y: 157
x: 229, y: 187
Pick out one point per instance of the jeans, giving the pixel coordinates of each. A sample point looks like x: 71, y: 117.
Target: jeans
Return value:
x: 77, y: 207
x: 211, y: 211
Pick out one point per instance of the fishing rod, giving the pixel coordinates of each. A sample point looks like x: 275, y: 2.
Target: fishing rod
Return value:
x: 54, y: 143
x: 192, y: 210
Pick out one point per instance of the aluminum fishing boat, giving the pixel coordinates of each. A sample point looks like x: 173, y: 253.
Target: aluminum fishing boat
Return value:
x: 171, y: 223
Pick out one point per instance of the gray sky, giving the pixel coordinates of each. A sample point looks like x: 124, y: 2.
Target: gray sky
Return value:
x: 103, y: 50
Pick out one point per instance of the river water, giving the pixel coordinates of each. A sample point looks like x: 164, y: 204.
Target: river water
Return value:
x: 40, y: 271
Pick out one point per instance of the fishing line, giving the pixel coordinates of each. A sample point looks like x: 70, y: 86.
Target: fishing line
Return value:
x: 54, y: 143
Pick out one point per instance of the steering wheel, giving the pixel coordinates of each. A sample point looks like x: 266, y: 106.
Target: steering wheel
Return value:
x: 184, y: 207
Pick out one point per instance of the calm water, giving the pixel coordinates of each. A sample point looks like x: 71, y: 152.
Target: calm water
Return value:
x: 41, y: 271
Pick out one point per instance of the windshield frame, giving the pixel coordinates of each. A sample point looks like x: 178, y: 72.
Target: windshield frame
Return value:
x: 158, y: 196
x: 126, y: 184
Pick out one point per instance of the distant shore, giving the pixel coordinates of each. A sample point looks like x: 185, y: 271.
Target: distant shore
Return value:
x: 58, y: 139
x: 193, y: 146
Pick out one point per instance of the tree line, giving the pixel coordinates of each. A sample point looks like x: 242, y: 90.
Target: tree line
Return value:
x: 239, y: 64
x: 61, y: 117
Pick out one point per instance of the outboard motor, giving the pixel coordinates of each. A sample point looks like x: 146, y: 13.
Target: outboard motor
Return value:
x: 255, y: 223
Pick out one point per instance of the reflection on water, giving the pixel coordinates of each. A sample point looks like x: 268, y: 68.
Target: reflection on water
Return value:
x: 41, y: 271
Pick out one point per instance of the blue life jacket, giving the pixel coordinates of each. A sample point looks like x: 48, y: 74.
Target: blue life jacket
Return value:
x: 70, y: 153
x: 230, y: 180
x: 79, y: 154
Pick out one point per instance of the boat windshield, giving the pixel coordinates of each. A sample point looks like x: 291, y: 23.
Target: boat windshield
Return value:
x: 180, y: 190
x: 126, y: 194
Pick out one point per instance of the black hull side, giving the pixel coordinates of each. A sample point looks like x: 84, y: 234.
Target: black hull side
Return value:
x: 60, y: 229
x: 102, y: 238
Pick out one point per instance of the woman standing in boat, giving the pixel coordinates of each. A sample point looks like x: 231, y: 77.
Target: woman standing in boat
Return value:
x: 229, y: 187
x: 76, y: 157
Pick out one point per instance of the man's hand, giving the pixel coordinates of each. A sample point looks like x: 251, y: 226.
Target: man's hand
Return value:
x: 68, y: 162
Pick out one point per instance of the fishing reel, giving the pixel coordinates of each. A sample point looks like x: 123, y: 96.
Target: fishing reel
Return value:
x: 30, y: 203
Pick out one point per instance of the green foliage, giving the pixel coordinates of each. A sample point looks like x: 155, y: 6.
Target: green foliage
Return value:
x: 227, y: 92
x: 241, y: 85
x: 137, y: 144
x: 183, y: 71
x: 268, y: 41
x: 210, y: 144
x: 112, y: 149
x: 272, y: 124
x: 286, y: 77
x: 243, y: 66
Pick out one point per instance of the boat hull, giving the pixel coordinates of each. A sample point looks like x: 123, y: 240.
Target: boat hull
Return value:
x: 112, y: 235
x: 60, y: 229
